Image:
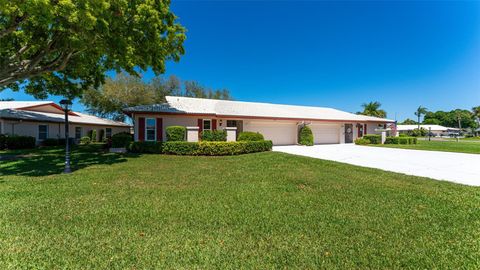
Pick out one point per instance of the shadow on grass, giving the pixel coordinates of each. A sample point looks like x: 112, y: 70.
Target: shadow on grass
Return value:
x: 41, y: 162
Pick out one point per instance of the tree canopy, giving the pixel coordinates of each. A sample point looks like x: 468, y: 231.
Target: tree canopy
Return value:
x: 124, y: 90
x: 408, y: 121
x: 451, y: 118
x: 64, y: 47
x: 373, y: 109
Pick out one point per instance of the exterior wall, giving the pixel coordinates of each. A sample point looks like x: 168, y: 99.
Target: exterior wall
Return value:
x: 371, y: 128
x: 248, y: 124
x: 55, y: 130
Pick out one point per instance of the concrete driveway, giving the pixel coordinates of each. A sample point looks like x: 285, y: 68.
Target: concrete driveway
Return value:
x: 454, y: 167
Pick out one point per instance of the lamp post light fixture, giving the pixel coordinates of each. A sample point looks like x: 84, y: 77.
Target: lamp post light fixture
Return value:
x: 66, y: 103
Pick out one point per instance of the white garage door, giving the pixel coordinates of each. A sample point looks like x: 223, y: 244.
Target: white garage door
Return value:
x: 324, y: 134
x: 278, y: 133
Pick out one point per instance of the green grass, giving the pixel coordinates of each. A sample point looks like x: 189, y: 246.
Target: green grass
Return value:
x: 264, y: 210
x: 445, y: 146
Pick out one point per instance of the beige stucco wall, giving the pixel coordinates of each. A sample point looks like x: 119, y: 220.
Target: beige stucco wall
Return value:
x: 55, y: 130
x: 254, y: 125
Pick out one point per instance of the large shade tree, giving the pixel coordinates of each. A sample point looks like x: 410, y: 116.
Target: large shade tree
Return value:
x: 373, y: 109
x: 64, y: 47
x: 123, y: 91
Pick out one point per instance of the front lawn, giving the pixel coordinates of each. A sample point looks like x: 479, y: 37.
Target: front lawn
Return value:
x: 470, y: 147
x: 264, y: 210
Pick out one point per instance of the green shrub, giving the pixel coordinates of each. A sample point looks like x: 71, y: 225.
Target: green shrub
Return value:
x: 417, y: 132
x: 94, y: 135
x: 3, y: 141
x: 146, y: 147
x: 250, y: 136
x: 121, y: 140
x: 401, y: 140
x: 85, y: 140
x: 19, y: 142
x: 373, y: 138
x: 362, y: 141
x: 181, y: 148
x: 175, y: 133
x: 216, y: 148
x: 306, y: 136
x: 214, y: 135
x: 52, y: 142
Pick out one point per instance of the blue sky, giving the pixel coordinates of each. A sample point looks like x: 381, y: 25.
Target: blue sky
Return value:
x: 333, y: 54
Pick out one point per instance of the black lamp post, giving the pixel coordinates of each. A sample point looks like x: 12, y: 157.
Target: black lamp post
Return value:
x: 66, y: 103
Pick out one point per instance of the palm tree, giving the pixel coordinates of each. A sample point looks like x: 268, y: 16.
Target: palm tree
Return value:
x: 476, y: 112
x: 373, y: 109
x: 420, y: 111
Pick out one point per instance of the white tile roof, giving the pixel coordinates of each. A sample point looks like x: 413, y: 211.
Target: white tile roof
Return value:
x: 13, y: 110
x: 21, y: 104
x: 220, y: 108
x: 186, y: 105
x: 427, y: 127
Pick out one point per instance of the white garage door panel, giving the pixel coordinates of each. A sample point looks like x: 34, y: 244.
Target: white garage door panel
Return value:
x: 278, y: 133
x: 323, y: 134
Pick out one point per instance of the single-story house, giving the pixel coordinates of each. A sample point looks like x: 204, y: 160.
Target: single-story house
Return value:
x: 437, y: 130
x: 46, y: 119
x: 278, y: 123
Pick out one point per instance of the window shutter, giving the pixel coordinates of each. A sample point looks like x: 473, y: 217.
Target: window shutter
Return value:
x: 214, y: 124
x: 159, y: 129
x: 200, y: 125
x: 365, y: 129
x: 141, y: 129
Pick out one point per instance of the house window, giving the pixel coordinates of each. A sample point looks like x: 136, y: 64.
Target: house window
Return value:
x: 42, y: 132
x: 150, y: 129
x: 207, y: 124
x: 231, y: 123
x: 78, y: 132
x: 108, y: 132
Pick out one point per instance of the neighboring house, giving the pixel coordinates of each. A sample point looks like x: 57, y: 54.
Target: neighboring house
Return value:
x: 437, y: 130
x: 45, y: 119
x: 279, y: 123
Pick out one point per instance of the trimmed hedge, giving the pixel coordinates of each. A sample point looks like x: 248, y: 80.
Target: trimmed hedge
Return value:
x: 373, y: 138
x: 216, y: 148
x: 3, y: 141
x: 19, y: 142
x: 214, y: 135
x: 362, y: 141
x: 417, y: 132
x: 57, y: 142
x: 146, y: 147
x: 306, y: 136
x: 250, y: 136
x: 85, y: 140
x: 401, y: 140
x: 175, y: 133
x: 122, y: 139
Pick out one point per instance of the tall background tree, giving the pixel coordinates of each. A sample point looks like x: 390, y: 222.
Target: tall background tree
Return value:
x: 408, y: 121
x: 124, y: 90
x: 419, y: 112
x: 476, y: 113
x: 373, y: 109
x: 450, y: 119
x: 64, y: 47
